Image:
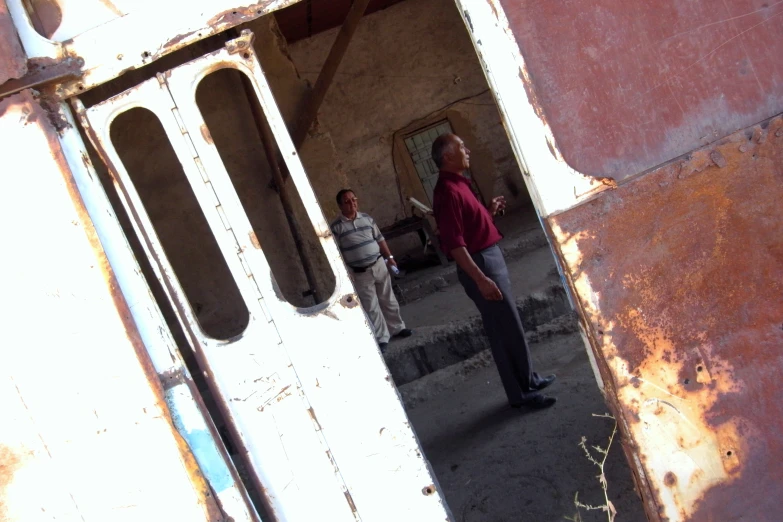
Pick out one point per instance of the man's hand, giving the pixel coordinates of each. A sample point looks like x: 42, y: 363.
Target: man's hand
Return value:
x: 489, y: 289
x: 498, y: 204
x: 391, y: 262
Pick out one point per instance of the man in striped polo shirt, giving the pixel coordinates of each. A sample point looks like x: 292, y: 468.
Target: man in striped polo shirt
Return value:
x: 367, y: 254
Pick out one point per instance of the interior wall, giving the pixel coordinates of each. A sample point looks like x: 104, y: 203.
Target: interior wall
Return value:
x: 404, y: 64
x: 325, y: 169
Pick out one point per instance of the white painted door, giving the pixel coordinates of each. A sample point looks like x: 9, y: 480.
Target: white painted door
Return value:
x: 313, y: 406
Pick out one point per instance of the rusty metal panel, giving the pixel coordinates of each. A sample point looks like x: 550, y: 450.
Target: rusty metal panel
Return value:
x: 86, y: 431
x: 679, y: 275
x: 13, y: 61
x: 112, y: 38
x: 626, y: 86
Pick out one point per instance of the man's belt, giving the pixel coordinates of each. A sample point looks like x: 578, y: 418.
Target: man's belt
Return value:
x: 362, y: 269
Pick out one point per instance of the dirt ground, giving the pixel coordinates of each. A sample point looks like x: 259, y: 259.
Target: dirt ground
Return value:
x: 498, y: 464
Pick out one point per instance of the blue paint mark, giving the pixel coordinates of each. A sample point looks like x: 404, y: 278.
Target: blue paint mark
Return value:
x: 209, y: 460
x: 199, y: 439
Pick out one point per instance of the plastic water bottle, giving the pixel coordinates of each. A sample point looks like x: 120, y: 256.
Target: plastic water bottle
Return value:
x: 393, y: 268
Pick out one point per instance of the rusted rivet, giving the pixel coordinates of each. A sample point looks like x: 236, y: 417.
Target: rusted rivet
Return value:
x: 687, y: 381
x: 718, y: 158
x: 779, y: 133
x: 429, y: 490
x: 670, y: 479
x: 699, y: 368
x: 729, y: 453
x: 119, y: 56
x: 743, y: 148
x: 245, y: 55
x: 348, y: 301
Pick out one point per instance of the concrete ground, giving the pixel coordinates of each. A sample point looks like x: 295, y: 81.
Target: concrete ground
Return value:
x: 495, y: 463
x: 498, y: 464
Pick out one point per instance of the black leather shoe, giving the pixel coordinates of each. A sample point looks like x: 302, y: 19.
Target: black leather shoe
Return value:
x: 537, y: 402
x: 545, y: 381
x: 407, y: 332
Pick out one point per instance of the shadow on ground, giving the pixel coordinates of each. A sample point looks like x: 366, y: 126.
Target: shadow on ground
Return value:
x: 497, y: 464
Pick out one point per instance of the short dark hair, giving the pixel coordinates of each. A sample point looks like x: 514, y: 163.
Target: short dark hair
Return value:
x: 340, y: 195
x: 439, y: 146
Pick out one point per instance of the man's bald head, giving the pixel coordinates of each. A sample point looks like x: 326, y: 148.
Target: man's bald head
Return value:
x: 441, y: 146
x: 450, y: 154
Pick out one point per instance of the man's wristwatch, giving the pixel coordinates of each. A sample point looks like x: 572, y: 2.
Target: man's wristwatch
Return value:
x: 387, y: 258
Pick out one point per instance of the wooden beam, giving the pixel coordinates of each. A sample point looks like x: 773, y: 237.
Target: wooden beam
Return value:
x: 316, y: 96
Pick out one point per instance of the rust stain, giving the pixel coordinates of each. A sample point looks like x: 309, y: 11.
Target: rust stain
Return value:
x: 218, y: 23
x: 532, y: 97
x: 113, y: 8
x: 205, y: 134
x: 720, y: 160
x: 349, y: 498
x: 679, y: 276
x: 12, y: 56
x: 349, y: 301
x: 10, y: 463
x: 315, y: 419
x: 428, y: 490
x: 254, y: 240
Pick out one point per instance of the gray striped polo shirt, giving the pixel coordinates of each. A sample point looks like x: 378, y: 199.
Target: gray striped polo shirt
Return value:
x: 357, y: 239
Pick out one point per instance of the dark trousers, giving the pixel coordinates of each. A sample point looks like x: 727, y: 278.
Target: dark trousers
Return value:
x: 503, y: 326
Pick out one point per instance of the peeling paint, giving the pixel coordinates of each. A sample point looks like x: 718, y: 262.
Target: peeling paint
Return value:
x: 679, y: 275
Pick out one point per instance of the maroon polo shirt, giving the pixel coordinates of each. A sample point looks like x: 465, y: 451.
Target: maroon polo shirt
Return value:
x: 462, y: 220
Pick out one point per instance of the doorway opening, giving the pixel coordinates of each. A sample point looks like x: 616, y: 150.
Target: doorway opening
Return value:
x: 411, y: 73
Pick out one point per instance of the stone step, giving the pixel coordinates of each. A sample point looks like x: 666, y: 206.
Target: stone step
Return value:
x: 415, y: 286
x: 432, y: 348
x: 430, y: 385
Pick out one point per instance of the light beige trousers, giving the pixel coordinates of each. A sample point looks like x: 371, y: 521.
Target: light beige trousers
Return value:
x: 375, y: 293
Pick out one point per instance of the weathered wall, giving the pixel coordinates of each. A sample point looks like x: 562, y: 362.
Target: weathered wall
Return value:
x: 404, y: 64
x: 318, y: 154
x: 679, y: 275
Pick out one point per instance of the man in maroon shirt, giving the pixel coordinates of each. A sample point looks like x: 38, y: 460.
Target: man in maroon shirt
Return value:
x: 468, y: 234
